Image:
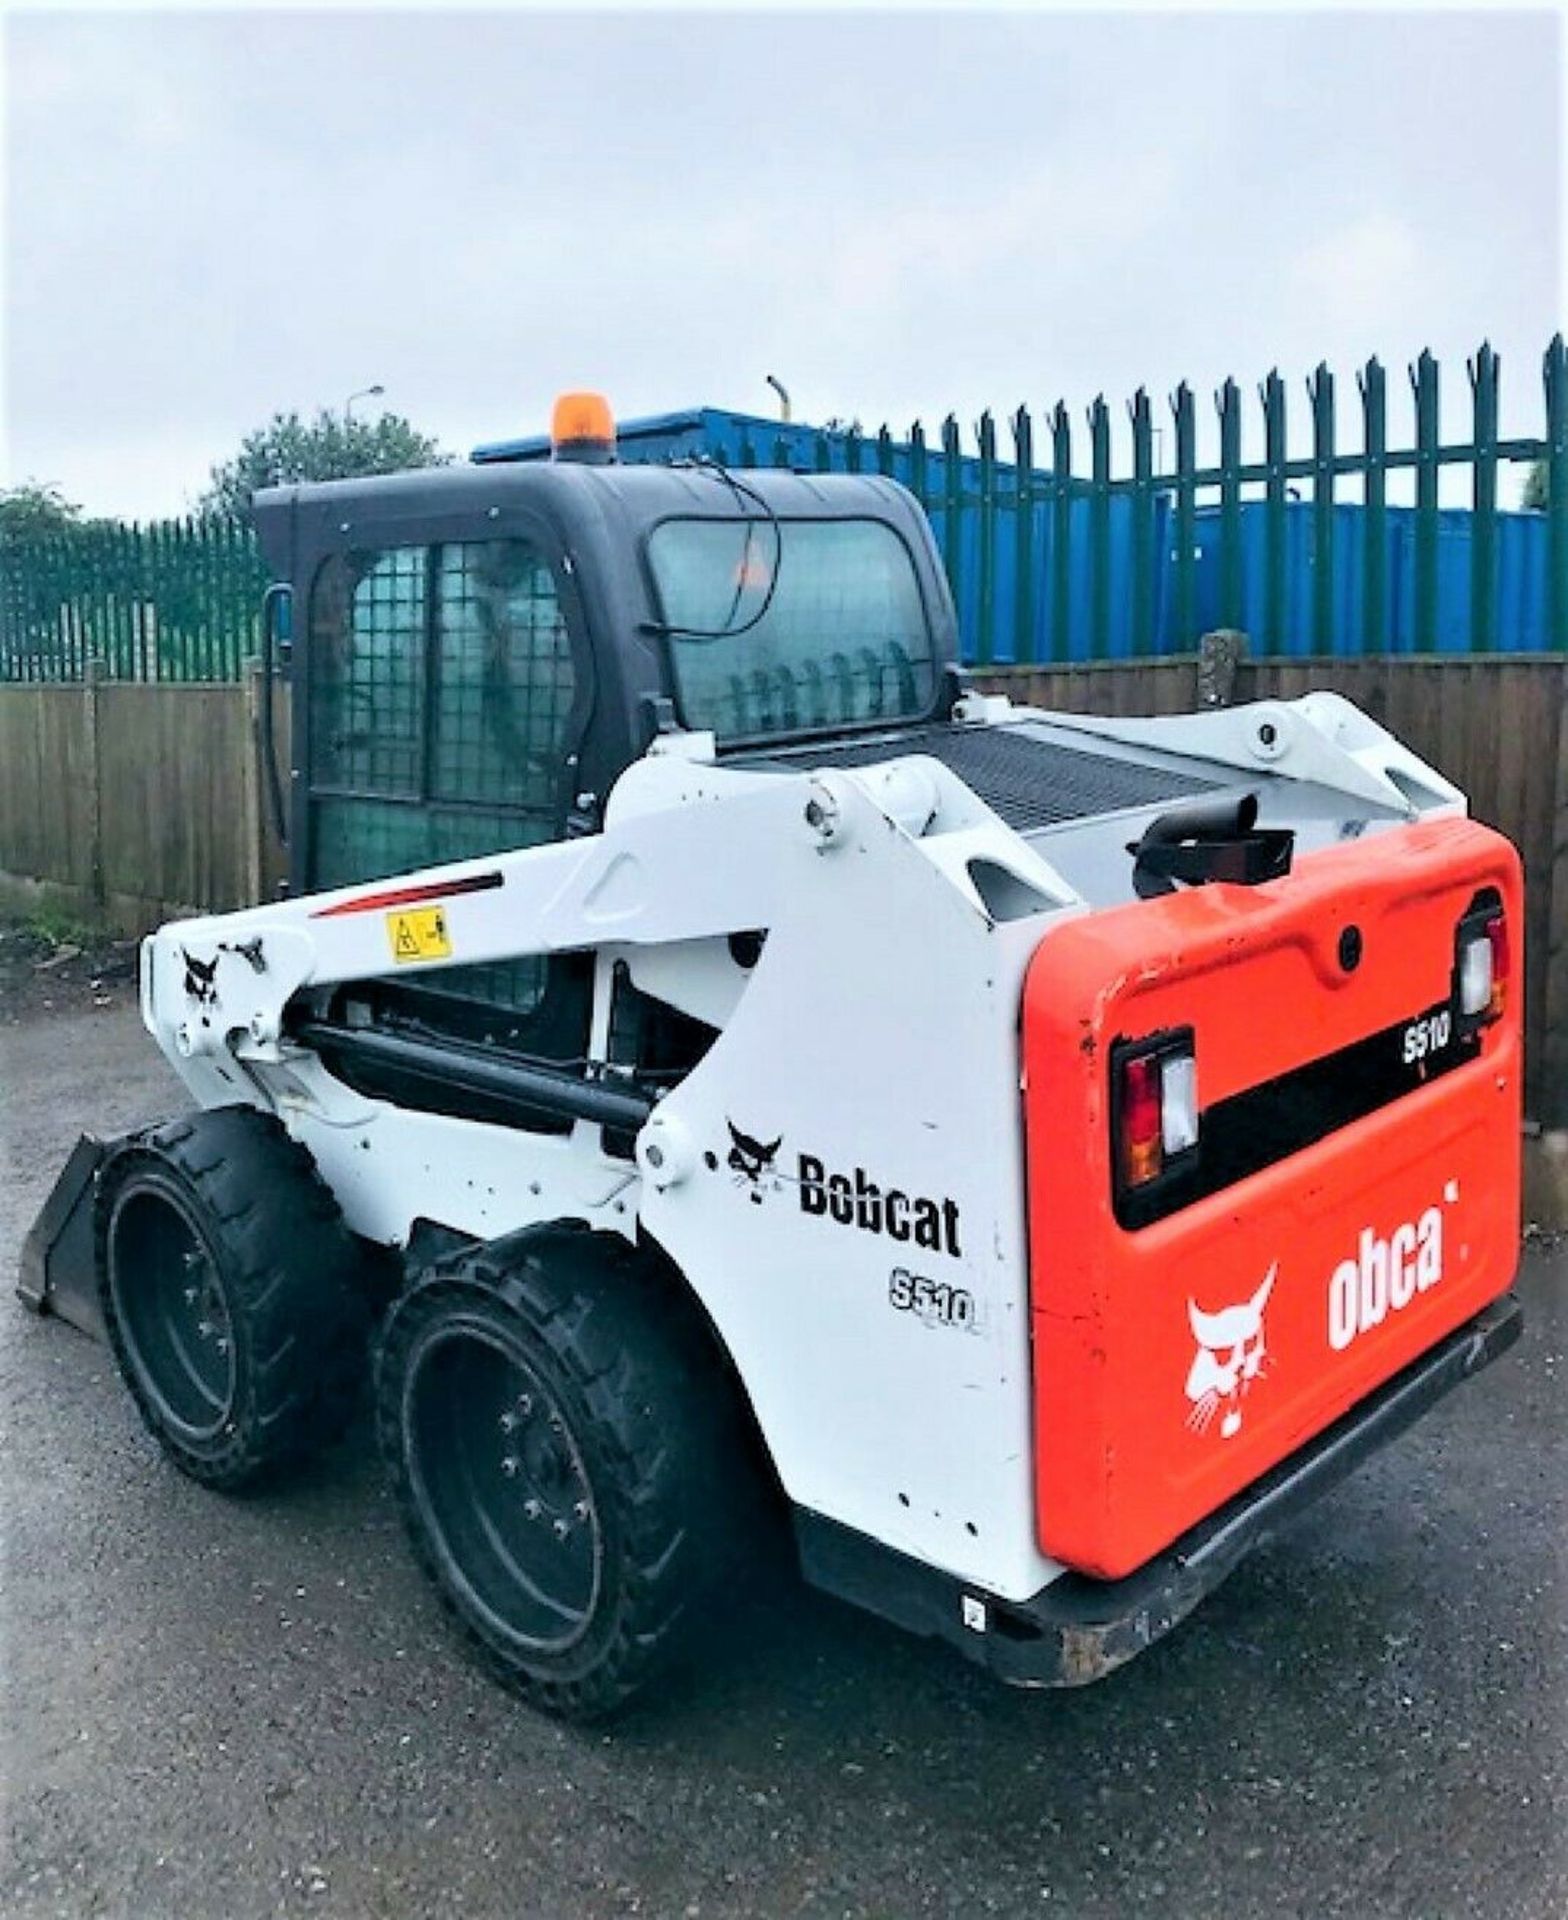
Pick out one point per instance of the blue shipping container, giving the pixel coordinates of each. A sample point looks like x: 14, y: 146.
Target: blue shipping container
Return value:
x: 1521, y: 551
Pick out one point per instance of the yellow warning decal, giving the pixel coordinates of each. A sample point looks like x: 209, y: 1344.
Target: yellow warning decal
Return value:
x: 419, y: 934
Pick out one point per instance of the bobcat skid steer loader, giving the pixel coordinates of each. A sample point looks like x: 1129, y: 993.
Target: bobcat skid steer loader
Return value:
x: 1037, y: 1153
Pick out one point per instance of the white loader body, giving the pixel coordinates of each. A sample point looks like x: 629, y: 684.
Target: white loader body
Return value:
x: 841, y: 1178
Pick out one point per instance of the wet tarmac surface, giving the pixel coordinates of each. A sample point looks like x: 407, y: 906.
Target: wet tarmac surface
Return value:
x: 237, y: 1707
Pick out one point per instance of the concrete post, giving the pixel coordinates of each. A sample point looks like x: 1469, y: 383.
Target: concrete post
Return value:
x: 1220, y: 655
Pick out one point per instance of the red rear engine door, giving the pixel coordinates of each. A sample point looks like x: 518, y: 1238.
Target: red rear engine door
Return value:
x: 1178, y: 1358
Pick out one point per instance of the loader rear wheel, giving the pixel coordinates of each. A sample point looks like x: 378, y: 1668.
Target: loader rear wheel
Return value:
x: 231, y: 1294
x: 555, y: 1443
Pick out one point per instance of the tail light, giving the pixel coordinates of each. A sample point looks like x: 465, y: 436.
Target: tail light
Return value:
x: 1154, y: 1115
x: 1142, y: 1141
x: 1482, y: 964
x: 1497, y: 939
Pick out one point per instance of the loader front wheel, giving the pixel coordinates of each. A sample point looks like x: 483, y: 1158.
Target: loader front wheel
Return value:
x: 230, y: 1290
x: 556, y: 1454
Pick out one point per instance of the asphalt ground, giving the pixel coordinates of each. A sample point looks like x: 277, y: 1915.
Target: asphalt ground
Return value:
x: 236, y: 1707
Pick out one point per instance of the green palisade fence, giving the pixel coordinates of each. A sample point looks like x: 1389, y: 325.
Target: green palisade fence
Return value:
x: 175, y: 600
x: 1051, y: 564
x: 1130, y: 556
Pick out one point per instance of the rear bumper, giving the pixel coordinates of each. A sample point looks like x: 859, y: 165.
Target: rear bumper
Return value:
x: 1078, y: 1629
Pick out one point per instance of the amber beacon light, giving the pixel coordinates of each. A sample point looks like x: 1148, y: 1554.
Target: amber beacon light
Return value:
x: 582, y: 427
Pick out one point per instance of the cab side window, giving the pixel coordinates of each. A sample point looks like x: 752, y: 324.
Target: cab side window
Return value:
x: 505, y: 684
x: 368, y: 618
x: 442, y: 690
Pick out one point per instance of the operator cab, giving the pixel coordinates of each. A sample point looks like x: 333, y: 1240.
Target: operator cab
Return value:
x: 478, y: 652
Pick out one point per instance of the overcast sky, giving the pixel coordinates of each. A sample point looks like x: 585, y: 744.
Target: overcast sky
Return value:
x: 212, y: 217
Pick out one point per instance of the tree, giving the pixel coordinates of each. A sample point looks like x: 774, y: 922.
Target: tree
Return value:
x: 36, y: 510
x: 1536, y: 491
x: 332, y: 446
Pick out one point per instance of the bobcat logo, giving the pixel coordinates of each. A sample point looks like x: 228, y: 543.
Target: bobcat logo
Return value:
x: 751, y: 1162
x: 201, y: 983
x: 1231, y: 1355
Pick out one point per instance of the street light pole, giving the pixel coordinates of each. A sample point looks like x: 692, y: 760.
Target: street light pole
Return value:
x: 364, y: 393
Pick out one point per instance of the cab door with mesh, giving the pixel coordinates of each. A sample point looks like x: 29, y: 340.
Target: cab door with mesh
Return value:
x: 445, y: 699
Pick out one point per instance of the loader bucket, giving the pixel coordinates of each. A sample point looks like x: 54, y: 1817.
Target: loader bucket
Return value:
x: 59, y: 1265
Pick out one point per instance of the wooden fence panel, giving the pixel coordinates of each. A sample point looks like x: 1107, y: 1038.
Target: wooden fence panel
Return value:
x: 174, y: 769
x: 47, y: 785
x: 1146, y: 686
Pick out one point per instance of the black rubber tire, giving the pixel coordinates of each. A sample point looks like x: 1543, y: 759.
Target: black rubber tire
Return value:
x: 650, y: 1436
x: 229, y: 1196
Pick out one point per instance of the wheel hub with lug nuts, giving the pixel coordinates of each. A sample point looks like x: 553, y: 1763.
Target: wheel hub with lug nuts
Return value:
x: 537, y: 1453
x: 204, y: 1298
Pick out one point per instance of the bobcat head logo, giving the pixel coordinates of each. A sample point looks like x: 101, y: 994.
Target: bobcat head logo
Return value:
x: 201, y: 979
x: 751, y: 1162
x: 1232, y: 1354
